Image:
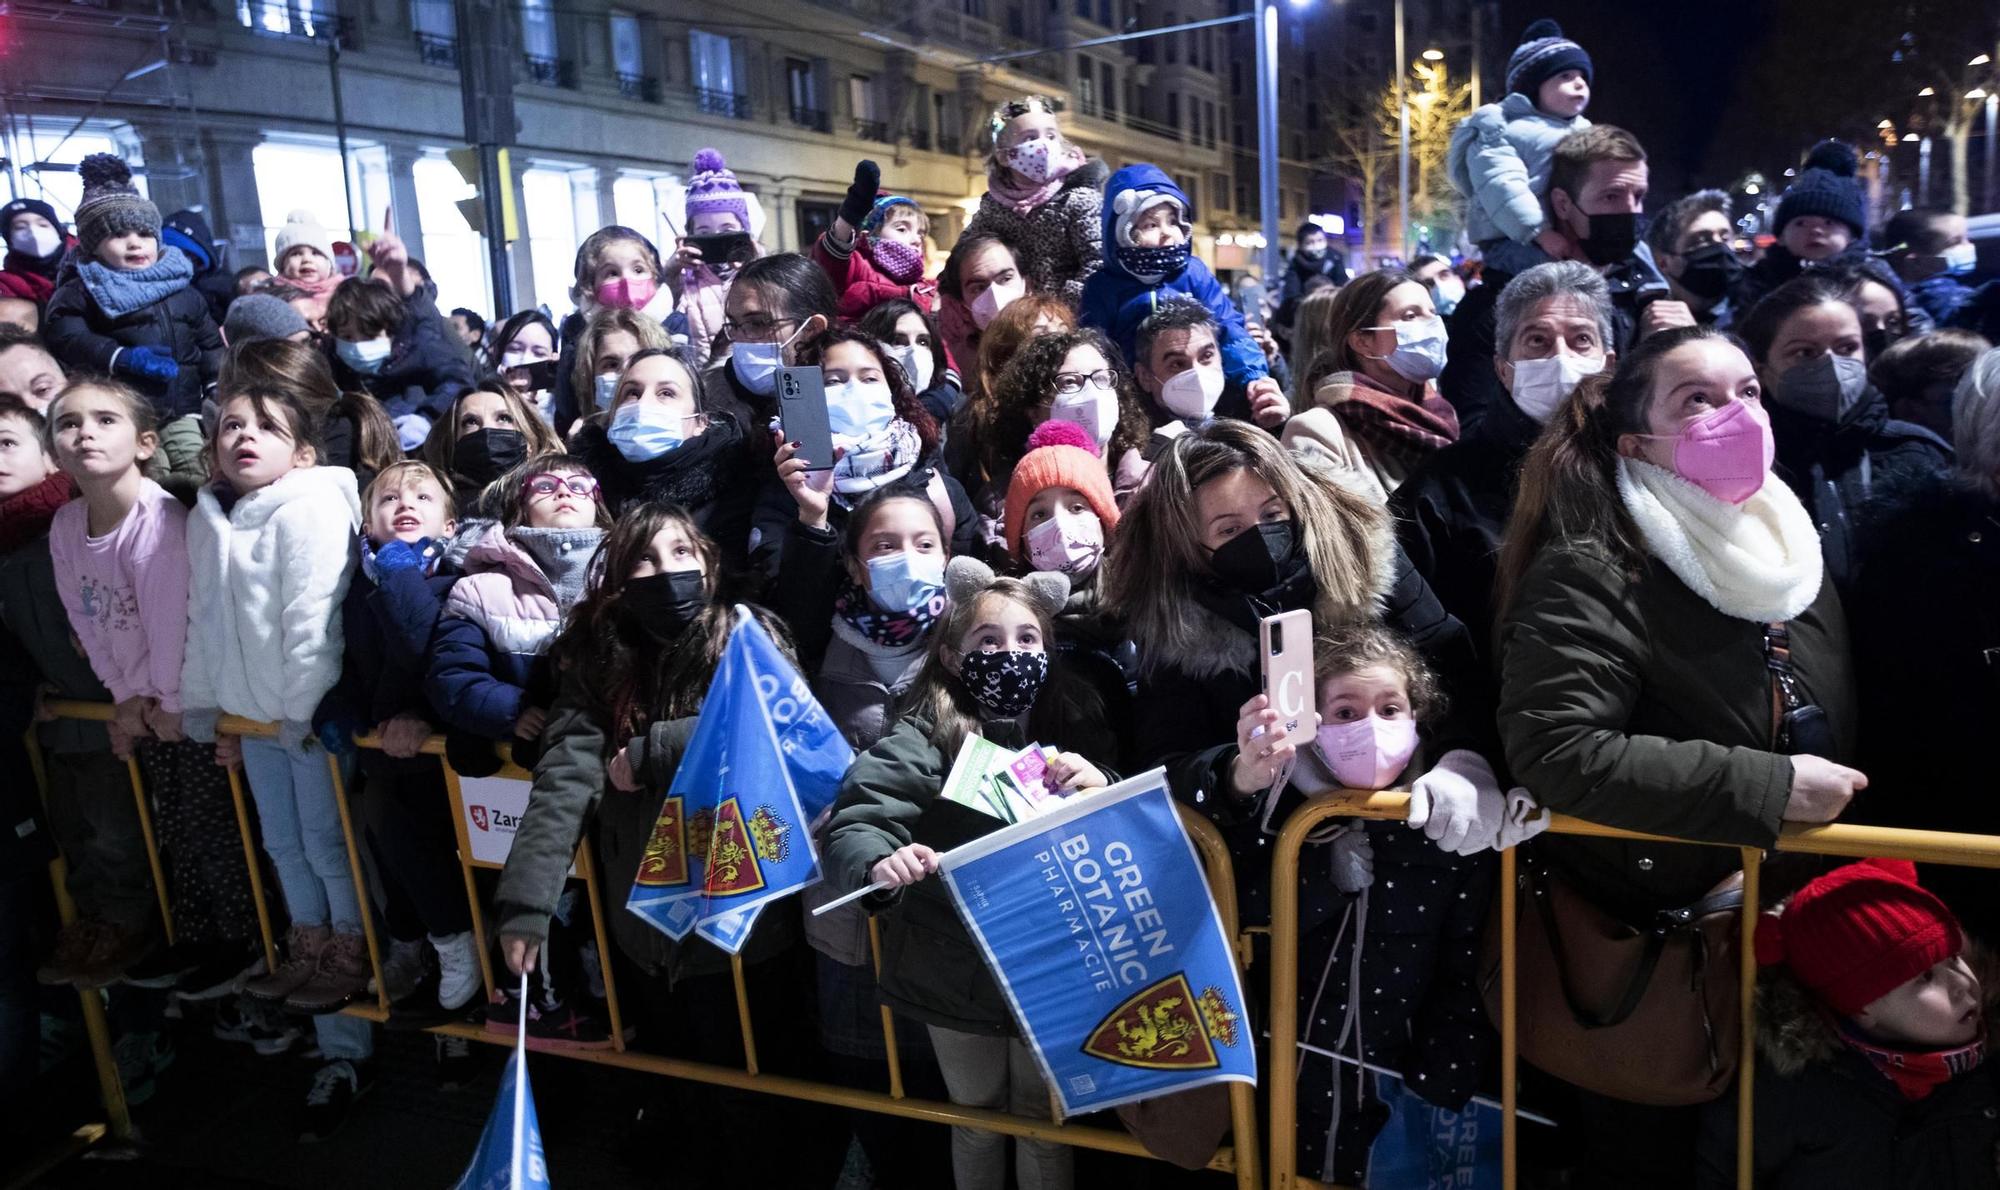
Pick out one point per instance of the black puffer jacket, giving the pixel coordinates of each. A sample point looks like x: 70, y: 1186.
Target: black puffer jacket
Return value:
x: 1826, y: 1119
x: 715, y: 476
x: 86, y: 339
x: 1849, y: 475
x: 427, y: 367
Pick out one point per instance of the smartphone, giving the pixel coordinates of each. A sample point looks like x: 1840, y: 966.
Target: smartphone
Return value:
x: 541, y: 374
x: 1286, y: 649
x: 802, y: 414
x: 733, y: 247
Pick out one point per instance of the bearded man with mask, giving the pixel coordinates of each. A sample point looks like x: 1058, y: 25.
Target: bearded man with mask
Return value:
x: 1597, y: 193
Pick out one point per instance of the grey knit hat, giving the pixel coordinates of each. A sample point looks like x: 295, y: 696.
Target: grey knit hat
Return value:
x: 112, y: 205
x: 257, y: 316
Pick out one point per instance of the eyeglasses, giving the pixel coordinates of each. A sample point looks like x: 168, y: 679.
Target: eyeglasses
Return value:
x: 1071, y: 383
x: 755, y: 330
x: 549, y: 484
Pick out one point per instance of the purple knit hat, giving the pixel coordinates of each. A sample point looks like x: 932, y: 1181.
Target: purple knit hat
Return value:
x: 713, y: 189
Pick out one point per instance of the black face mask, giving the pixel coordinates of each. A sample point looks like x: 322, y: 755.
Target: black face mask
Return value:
x: 1612, y: 237
x: 485, y: 455
x: 1709, y: 271
x: 1251, y: 563
x: 664, y: 604
x: 1876, y: 340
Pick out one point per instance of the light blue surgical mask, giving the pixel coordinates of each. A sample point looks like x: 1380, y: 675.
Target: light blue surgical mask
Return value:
x: 905, y: 581
x: 1960, y: 259
x: 606, y: 390
x: 756, y: 366
x: 857, y: 410
x: 365, y: 356
x: 644, y: 432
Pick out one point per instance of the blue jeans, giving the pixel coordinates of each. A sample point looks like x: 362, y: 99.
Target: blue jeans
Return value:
x: 301, y: 825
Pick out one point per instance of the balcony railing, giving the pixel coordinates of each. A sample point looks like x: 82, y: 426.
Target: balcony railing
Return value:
x: 641, y: 87
x: 436, y: 50
x: 875, y: 130
x: 920, y: 138
x: 550, y: 72
x: 948, y: 142
x: 812, y: 117
x: 722, y: 103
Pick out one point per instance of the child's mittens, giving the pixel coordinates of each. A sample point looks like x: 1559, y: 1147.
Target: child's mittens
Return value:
x: 198, y: 723
x: 411, y: 430
x: 148, y: 362
x: 1523, y: 820
x: 861, y: 195
x: 337, y: 736
x: 403, y: 555
x: 293, y: 734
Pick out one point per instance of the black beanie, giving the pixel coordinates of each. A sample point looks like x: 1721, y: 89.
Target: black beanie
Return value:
x: 1543, y: 54
x: 27, y: 206
x: 1826, y: 187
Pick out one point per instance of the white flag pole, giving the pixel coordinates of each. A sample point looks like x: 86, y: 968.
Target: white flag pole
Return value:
x: 519, y: 1173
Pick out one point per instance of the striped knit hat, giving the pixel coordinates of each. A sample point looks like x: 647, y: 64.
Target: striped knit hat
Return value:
x: 111, y: 204
x: 713, y: 189
x: 1543, y: 54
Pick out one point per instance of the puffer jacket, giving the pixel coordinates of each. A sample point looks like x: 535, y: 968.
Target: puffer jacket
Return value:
x: 1852, y: 474
x: 388, y: 620
x: 268, y: 573
x: 1826, y: 1119
x: 1060, y: 242
x: 861, y: 283
x: 1499, y: 160
x: 85, y: 338
x: 427, y: 367
x: 1116, y: 302
x: 499, y: 620
x: 571, y: 794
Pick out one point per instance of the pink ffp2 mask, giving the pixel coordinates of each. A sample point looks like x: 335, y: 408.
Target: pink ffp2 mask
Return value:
x: 1367, y: 753
x: 627, y: 293
x: 1727, y: 453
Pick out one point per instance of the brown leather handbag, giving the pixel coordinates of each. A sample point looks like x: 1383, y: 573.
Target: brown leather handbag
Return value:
x: 1646, y: 1015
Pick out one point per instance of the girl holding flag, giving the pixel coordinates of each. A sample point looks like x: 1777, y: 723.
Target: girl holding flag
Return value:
x: 987, y: 673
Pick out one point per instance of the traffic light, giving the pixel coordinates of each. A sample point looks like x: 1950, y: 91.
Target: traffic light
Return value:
x: 466, y: 161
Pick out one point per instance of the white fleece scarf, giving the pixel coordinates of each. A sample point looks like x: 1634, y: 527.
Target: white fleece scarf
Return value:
x: 1758, y: 560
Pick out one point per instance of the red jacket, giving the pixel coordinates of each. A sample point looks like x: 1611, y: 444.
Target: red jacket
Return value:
x: 860, y: 283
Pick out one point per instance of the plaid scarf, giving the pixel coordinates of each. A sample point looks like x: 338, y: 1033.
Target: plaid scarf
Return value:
x: 1916, y: 1073
x: 1391, y: 425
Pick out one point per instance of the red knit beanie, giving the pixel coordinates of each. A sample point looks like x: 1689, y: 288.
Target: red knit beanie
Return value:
x: 1857, y: 933
x: 1060, y: 454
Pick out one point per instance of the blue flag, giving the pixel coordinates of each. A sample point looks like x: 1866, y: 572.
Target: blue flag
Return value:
x: 734, y: 832
x: 1426, y: 1147
x: 509, y: 1156
x: 1098, y: 924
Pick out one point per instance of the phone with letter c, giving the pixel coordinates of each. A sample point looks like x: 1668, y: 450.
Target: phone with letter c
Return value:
x: 802, y: 415
x: 1285, y: 649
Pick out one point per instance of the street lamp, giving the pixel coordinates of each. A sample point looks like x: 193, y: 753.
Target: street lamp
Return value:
x: 1267, y: 135
x: 1402, y: 141
x: 1433, y: 55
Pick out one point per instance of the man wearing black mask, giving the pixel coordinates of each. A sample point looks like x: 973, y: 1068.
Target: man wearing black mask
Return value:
x: 1690, y: 242
x: 1596, y: 196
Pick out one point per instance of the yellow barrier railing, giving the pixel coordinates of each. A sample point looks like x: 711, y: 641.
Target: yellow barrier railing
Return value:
x: 1240, y: 1158
x: 1857, y: 842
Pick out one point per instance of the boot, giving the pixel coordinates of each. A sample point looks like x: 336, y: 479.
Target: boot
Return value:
x: 73, y: 947
x: 303, y: 945
x: 117, y: 948
x: 343, y: 972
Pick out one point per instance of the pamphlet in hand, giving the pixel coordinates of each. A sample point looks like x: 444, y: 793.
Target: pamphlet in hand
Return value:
x: 1010, y: 786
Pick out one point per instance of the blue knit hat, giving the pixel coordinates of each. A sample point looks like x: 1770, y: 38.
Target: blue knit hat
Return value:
x: 1826, y: 187
x: 880, y: 210
x: 1543, y: 54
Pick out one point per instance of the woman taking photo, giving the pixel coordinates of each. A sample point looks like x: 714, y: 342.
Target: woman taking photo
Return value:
x: 1650, y: 555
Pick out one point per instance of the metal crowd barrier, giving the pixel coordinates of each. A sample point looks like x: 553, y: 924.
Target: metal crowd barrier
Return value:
x: 1856, y: 842
x: 1241, y: 1157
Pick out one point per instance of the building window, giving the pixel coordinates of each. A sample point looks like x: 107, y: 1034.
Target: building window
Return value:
x: 1173, y: 39
x: 642, y: 203
x: 868, y: 121
x: 1109, y: 90
x: 435, y: 23
x: 65, y: 142
x: 815, y: 219
x: 1218, y: 190
x: 455, y: 254
x: 548, y: 204
x: 1106, y: 14
x: 716, y: 78
x: 293, y: 177
x: 1174, y: 114
x: 1086, y: 87
x: 538, y: 30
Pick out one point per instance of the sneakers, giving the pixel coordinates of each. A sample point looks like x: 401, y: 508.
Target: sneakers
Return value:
x: 73, y: 947
x: 453, y: 1056
x: 402, y: 969
x: 140, y: 1057
x: 255, y: 1024
x: 115, y: 948
x: 458, y: 970
x: 303, y: 945
x: 335, y: 1087
x: 164, y: 968
x: 552, y: 1025
x: 342, y: 973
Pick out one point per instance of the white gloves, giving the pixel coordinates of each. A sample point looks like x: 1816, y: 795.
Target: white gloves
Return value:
x: 411, y: 430
x: 1523, y: 821
x: 1458, y: 803
x: 1353, y: 860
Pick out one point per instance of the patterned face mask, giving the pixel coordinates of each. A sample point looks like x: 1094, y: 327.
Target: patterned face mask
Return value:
x: 1152, y: 264
x: 1005, y: 681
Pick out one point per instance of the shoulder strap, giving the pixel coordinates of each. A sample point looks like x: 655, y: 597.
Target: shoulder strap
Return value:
x: 1784, y: 680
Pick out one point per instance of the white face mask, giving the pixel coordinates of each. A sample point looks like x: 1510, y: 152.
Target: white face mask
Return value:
x: 1095, y: 409
x: 1068, y: 542
x: 987, y: 306
x: 39, y: 242
x: 1542, y: 384
x: 918, y: 364
x: 1420, y: 348
x: 856, y: 410
x: 1192, y: 393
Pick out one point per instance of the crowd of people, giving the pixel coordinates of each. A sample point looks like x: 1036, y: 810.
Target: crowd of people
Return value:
x: 1619, y: 517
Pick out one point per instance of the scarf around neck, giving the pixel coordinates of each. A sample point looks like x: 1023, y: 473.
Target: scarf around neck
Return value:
x: 1392, y: 425
x: 1916, y: 1073
x: 1022, y: 197
x: 119, y: 292
x: 877, y: 460
x: 872, y: 627
x: 563, y: 556
x: 1758, y: 561
x: 25, y: 515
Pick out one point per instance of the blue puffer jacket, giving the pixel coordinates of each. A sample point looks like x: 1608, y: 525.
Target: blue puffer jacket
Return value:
x: 387, y: 621
x: 1116, y: 302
